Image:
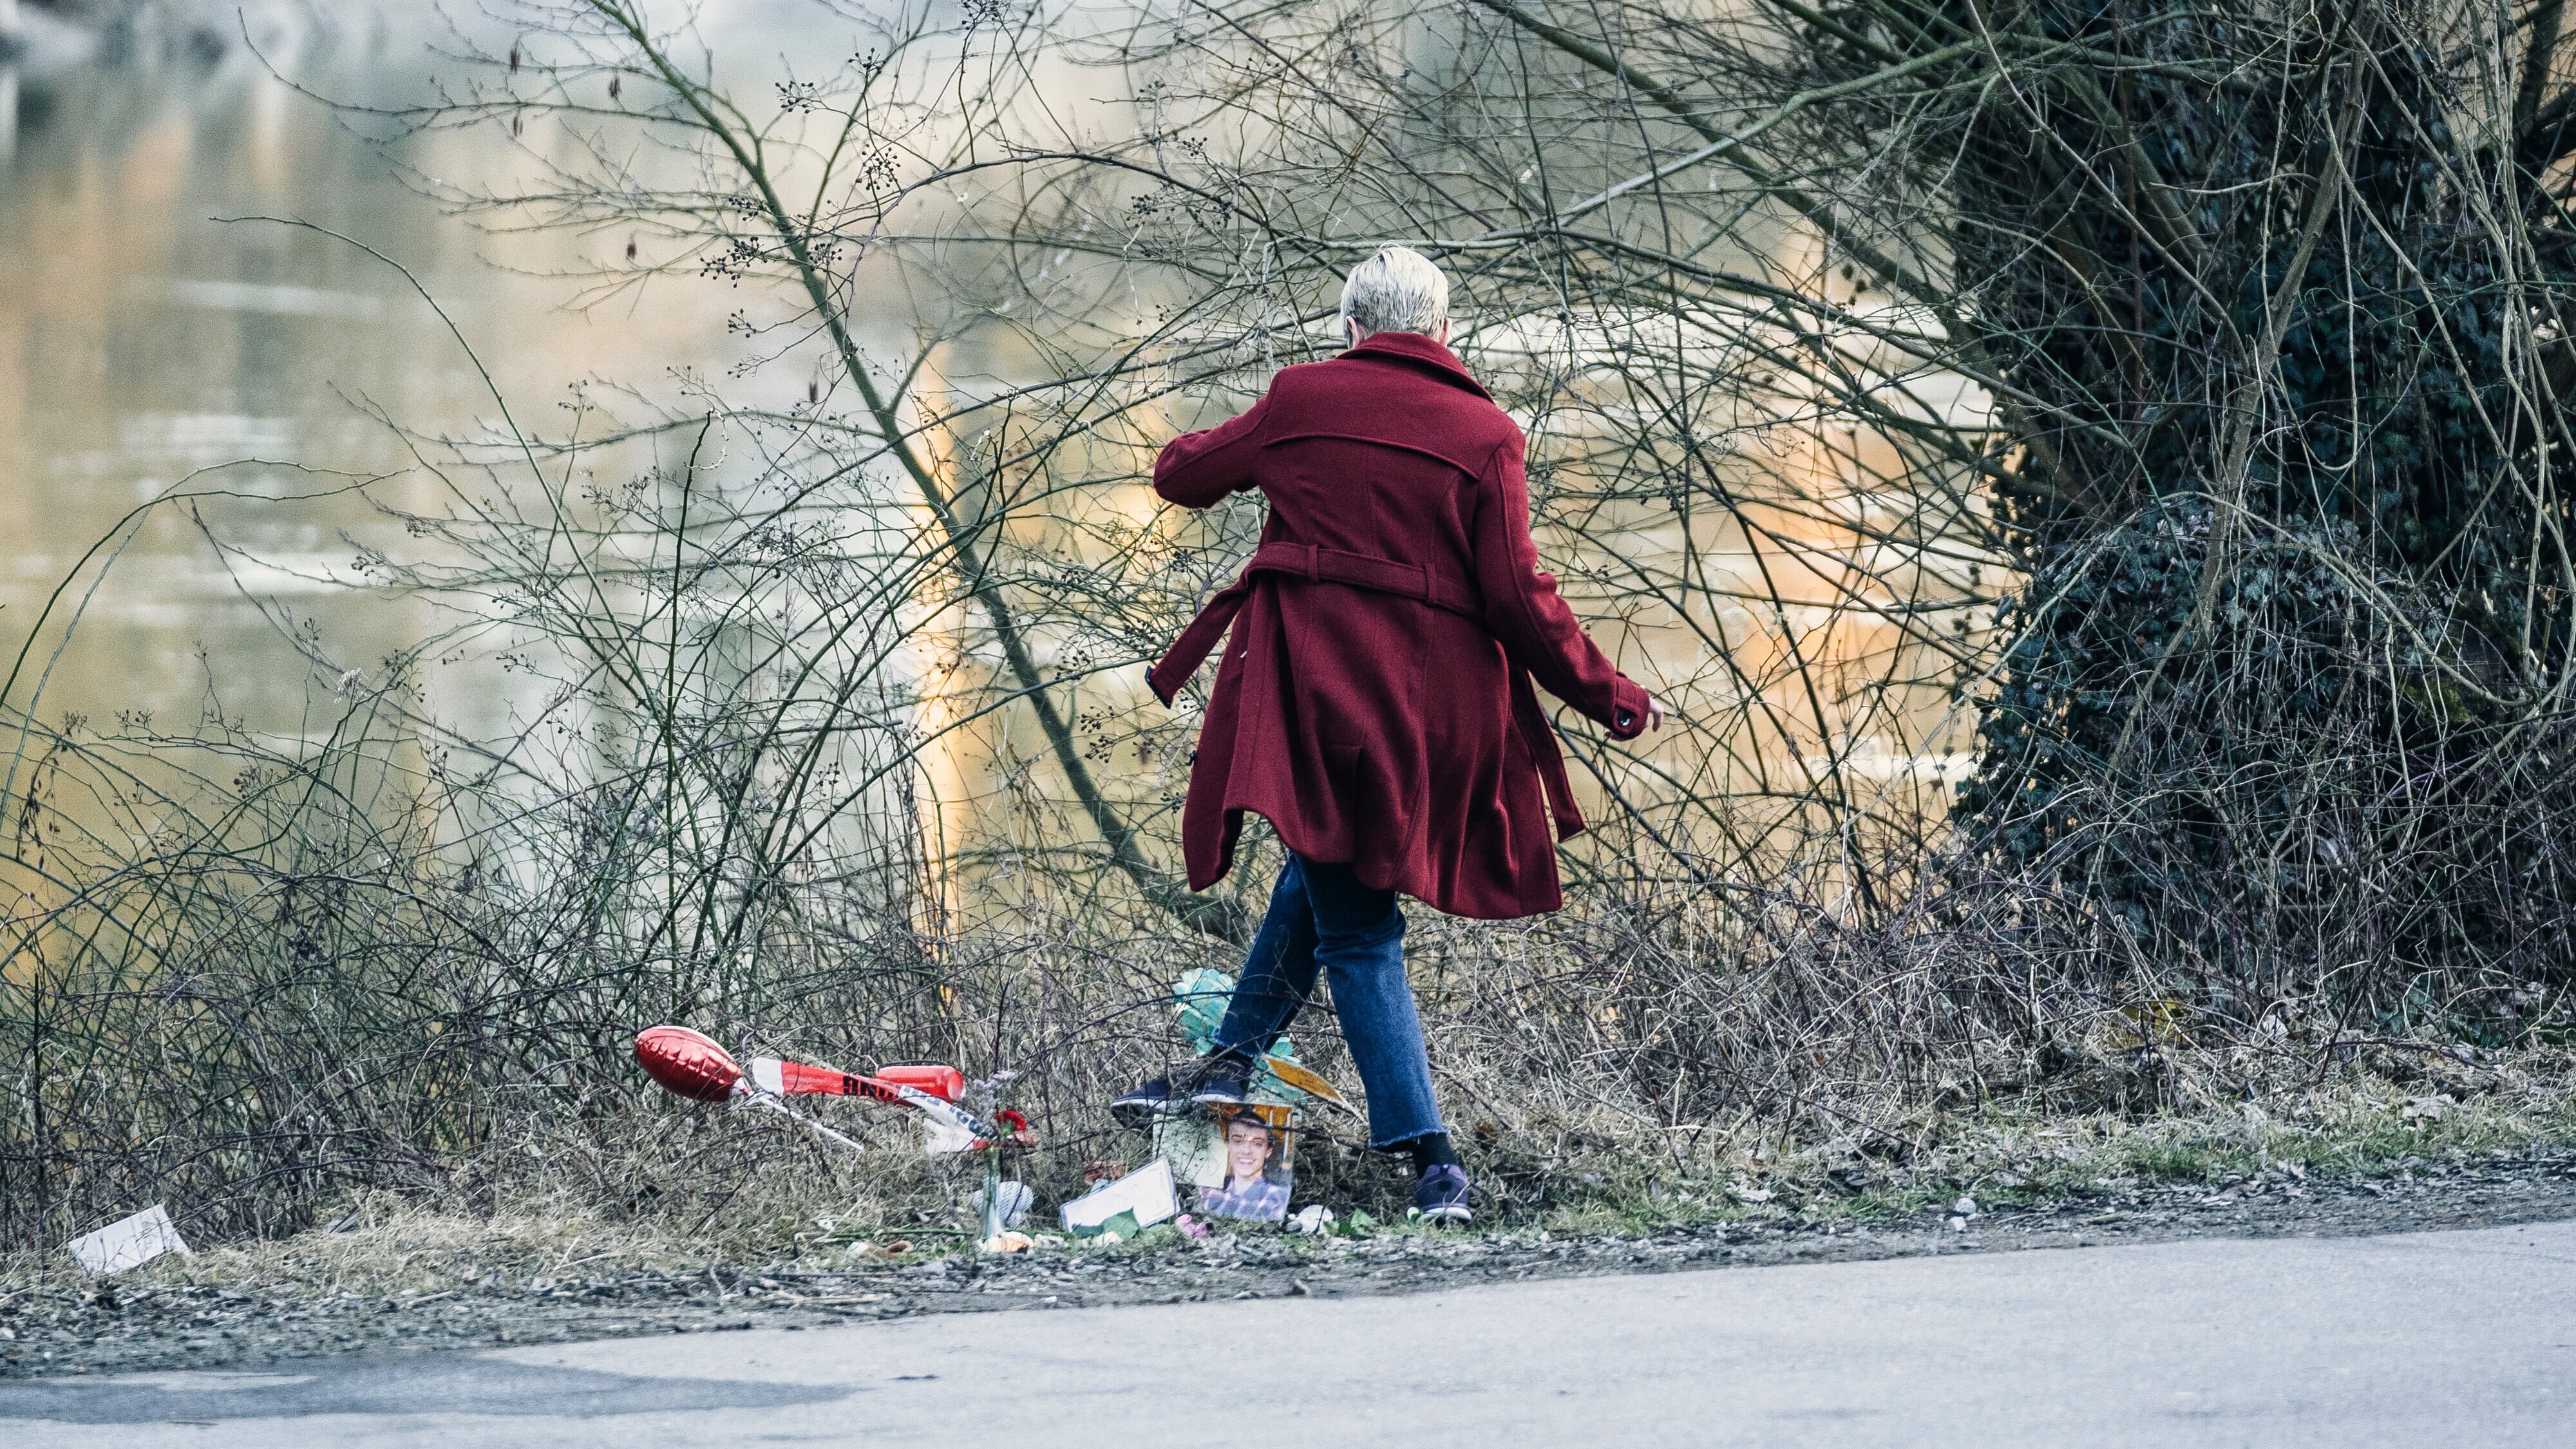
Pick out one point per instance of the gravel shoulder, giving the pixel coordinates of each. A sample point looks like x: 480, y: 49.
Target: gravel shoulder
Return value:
x: 61, y: 1328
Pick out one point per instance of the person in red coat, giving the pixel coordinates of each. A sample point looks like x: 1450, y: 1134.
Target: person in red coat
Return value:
x: 1374, y: 701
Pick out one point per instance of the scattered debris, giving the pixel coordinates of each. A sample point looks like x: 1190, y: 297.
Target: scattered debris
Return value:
x: 161, y: 1319
x: 129, y: 1243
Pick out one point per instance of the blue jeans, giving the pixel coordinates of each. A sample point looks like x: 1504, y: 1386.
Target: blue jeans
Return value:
x: 1322, y: 917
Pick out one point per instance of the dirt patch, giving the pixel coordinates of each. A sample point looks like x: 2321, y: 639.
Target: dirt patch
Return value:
x: 62, y: 1327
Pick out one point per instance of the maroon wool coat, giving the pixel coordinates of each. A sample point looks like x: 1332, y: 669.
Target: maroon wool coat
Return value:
x: 1374, y: 699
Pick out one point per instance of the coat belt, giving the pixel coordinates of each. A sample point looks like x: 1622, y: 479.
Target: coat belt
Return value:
x: 1380, y: 575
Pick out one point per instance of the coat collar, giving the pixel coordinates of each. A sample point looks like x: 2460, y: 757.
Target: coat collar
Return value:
x: 1412, y: 349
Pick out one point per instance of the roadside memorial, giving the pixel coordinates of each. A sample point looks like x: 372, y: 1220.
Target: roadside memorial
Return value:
x: 957, y: 1116
x: 1238, y: 1160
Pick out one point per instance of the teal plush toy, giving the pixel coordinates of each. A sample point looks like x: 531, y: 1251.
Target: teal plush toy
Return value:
x: 1200, y: 999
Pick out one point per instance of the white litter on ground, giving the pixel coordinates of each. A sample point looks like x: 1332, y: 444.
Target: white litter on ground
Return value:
x: 128, y: 1244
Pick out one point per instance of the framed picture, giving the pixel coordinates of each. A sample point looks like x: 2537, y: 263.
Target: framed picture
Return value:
x: 1253, y: 1175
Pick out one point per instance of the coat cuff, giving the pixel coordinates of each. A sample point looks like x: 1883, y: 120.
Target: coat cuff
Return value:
x: 1627, y: 716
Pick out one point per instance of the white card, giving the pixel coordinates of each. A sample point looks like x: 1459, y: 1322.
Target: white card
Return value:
x: 128, y: 1244
x: 1146, y: 1192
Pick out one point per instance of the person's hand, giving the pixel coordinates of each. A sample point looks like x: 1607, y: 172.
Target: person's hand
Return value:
x: 1655, y: 713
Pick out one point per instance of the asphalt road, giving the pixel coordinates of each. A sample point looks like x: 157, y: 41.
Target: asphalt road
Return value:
x: 2453, y: 1337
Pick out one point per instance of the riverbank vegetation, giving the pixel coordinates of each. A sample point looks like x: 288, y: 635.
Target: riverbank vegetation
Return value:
x: 2084, y: 476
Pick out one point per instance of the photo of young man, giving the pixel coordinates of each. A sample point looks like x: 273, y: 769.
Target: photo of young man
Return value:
x: 1255, y: 1185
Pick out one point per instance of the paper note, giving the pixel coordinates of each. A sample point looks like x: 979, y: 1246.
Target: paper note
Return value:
x: 128, y: 1244
x: 1146, y: 1192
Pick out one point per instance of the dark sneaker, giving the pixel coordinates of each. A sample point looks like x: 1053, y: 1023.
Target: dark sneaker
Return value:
x: 1440, y: 1195
x: 1146, y: 1101
x: 1222, y: 1082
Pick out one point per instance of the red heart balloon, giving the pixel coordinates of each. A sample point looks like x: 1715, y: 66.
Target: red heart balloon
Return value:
x: 688, y: 1063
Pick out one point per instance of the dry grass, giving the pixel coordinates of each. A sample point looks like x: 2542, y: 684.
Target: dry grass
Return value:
x: 822, y: 746
x: 556, y: 1217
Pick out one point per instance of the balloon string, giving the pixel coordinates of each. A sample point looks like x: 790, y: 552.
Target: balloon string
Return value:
x: 762, y: 1099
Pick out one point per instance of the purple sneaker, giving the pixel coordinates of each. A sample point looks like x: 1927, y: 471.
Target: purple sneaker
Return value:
x: 1440, y: 1195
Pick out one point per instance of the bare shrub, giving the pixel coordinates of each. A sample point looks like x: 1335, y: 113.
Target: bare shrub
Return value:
x: 1910, y: 403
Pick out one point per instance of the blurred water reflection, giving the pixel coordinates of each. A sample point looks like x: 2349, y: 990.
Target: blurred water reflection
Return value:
x: 142, y: 339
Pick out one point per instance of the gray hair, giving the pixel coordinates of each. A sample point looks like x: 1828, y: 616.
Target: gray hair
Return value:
x: 1398, y: 290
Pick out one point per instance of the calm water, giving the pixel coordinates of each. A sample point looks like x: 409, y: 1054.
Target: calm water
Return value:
x: 141, y: 339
